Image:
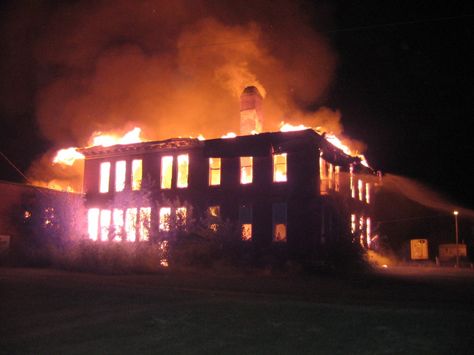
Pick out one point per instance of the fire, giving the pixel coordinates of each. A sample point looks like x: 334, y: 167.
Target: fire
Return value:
x: 67, y: 156
x: 107, y: 140
x: 288, y: 127
x: 330, y: 137
x: 229, y: 135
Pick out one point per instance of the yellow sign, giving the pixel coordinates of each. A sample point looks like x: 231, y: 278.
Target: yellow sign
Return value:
x: 419, y: 249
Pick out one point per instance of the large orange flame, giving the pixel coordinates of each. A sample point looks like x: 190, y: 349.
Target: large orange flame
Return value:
x: 69, y: 155
x: 330, y: 137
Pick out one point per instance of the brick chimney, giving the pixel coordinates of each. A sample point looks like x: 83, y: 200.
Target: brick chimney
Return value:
x: 251, y: 114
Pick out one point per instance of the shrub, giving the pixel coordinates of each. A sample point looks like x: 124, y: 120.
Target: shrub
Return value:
x: 340, y: 255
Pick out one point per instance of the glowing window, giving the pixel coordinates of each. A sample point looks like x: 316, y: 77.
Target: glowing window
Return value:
x: 131, y: 224
x: 323, y: 176
x: 360, y: 187
x: 246, y: 231
x: 145, y: 213
x: 246, y: 170
x: 368, y: 231
x: 93, y: 223
x: 330, y: 175
x: 353, y: 223
x: 367, y: 192
x: 104, y: 224
x: 120, y: 169
x: 337, y: 178
x: 245, y: 218
x: 166, y: 172
x: 214, y: 213
x: 137, y: 169
x: 104, y: 177
x: 279, y: 167
x: 165, y: 214
x: 351, y: 181
x: 117, y: 220
x: 181, y: 216
x: 279, y: 232
x: 361, y: 225
x: 183, y: 170
x: 279, y: 222
x: 214, y: 171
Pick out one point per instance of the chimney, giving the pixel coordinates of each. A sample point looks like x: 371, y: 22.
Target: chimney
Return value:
x: 251, y: 115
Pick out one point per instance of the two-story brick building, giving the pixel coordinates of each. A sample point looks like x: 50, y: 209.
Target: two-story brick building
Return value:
x: 289, y: 188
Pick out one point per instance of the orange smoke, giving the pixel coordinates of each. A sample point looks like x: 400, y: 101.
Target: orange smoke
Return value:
x: 176, y: 68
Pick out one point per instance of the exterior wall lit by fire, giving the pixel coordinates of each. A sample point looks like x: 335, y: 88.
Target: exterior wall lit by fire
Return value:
x: 278, y: 188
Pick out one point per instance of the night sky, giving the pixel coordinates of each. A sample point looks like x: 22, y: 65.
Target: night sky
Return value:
x: 403, y: 82
x: 405, y: 87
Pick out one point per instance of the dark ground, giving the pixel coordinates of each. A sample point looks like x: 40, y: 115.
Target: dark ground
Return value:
x: 396, y: 311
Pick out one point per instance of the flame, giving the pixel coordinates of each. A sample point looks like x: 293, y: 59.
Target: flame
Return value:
x: 288, y: 127
x: 229, y: 135
x: 330, y: 137
x: 67, y: 156
x: 335, y: 141
x: 107, y: 140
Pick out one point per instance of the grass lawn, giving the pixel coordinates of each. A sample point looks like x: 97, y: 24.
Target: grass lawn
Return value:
x: 402, y: 311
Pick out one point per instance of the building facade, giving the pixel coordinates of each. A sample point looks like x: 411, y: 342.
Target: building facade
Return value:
x: 293, y: 190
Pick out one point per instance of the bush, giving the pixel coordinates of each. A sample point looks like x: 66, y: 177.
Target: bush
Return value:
x: 89, y: 256
x: 340, y: 255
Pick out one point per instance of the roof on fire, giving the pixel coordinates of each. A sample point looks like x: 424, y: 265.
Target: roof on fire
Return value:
x: 251, y: 145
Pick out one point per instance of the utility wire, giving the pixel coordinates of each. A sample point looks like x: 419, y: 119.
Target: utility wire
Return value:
x: 399, y: 23
x: 15, y: 167
x: 348, y: 29
x: 37, y: 188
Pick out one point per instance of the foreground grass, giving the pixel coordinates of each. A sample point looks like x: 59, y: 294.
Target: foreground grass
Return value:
x: 54, y: 312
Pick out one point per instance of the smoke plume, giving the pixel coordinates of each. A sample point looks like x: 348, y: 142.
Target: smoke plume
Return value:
x: 173, y: 68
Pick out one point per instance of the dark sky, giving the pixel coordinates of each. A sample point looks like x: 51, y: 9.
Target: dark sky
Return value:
x: 403, y: 83
x: 405, y: 87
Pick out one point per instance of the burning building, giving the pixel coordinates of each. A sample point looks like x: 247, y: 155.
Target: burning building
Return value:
x: 293, y: 189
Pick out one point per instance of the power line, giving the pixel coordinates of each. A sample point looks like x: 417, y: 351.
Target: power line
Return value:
x: 399, y: 23
x: 348, y: 29
x: 37, y: 188
x: 15, y: 167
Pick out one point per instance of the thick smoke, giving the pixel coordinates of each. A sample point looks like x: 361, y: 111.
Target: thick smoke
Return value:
x: 173, y: 68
